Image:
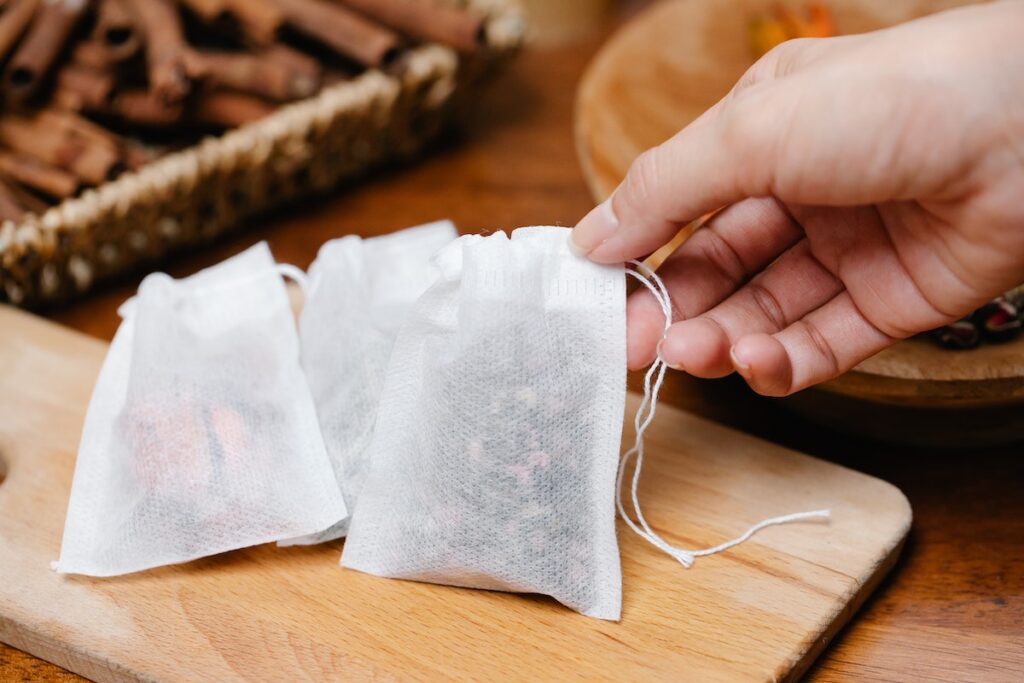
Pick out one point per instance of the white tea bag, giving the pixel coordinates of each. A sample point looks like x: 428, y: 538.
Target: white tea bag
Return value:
x: 494, y: 457
x: 201, y: 435
x: 361, y: 291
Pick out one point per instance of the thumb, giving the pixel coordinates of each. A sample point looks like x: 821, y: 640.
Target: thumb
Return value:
x: 724, y: 156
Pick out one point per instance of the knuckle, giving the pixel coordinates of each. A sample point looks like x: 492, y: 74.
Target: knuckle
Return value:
x: 821, y: 347
x: 753, y: 128
x: 792, y: 55
x: 722, y: 257
x: 677, y: 311
x: 642, y: 180
x: 741, y: 120
x: 767, y: 67
x: 768, y: 306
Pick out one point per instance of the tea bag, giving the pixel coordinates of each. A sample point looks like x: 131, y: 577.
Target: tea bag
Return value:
x: 201, y: 435
x: 361, y: 291
x: 494, y: 458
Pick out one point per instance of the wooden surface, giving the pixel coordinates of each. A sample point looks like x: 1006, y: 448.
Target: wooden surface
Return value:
x: 762, y: 611
x: 676, y: 59
x: 952, y: 610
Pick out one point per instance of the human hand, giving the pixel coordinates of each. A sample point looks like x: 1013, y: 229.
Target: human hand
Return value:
x: 873, y: 188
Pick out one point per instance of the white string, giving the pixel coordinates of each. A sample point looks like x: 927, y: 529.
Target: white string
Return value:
x: 644, y: 416
x: 296, y: 275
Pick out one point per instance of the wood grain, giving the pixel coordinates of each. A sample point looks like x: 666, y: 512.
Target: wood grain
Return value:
x: 957, y: 594
x: 760, y: 612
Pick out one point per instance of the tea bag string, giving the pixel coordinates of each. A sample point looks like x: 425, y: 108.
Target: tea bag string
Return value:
x: 653, y: 381
x: 296, y: 275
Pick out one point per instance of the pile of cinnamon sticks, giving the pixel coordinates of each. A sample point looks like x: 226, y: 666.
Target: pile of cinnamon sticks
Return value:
x: 91, y: 88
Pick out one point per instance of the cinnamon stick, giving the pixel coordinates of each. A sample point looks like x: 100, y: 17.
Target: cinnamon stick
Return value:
x: 47, y: 35
x: 92, y: 54
x: 135, y: 156
x: 67, y: 123
x: 167, y: 54
x: 228, y: 109
x: 127, y: 153
x: 33, y: 173
x: 29, y: 201
x: 208, y: 11
x: 92, y: 163
x: 258, y: 20
x: 342, y: 30
x: 145, y: 108
x: 115, y: 30
x: 426, y: 19
x: 261, y: 75
x: 130, y: 152
x: 293, y: 59
x: 10, y: 208
x: 14, y: 19
x: 80, y: 87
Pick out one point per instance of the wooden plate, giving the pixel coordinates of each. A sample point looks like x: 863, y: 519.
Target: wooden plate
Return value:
x: 676, y: 59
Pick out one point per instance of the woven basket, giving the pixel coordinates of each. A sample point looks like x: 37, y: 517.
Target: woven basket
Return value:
x: 193, y: 196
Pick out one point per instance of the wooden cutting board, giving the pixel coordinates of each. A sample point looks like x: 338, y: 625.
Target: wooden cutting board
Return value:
x: 762, y: 611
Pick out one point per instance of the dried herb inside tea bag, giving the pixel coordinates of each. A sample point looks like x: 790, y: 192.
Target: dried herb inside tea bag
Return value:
x: 494, y: 457
x: 201, y: 435
x: 361, y: 291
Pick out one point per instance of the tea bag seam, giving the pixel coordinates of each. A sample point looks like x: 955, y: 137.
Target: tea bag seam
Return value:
x: 285, y: 270
x: 653, y: 381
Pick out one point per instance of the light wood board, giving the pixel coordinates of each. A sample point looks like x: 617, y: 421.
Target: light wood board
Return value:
x: 759, y: 612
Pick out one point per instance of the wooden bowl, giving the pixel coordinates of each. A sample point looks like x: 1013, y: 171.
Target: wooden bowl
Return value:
x: 676, y: 59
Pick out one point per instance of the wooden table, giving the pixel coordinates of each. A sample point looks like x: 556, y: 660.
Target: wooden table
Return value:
x: 954, y: 604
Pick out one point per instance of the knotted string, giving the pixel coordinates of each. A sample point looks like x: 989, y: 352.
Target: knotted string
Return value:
x: 653, y: 380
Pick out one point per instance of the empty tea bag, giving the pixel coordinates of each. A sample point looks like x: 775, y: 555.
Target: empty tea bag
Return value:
x: 494, y: 457
x: 201, y: 435
x: 361, y: 291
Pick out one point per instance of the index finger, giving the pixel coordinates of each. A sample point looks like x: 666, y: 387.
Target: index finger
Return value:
x: 722, y: 157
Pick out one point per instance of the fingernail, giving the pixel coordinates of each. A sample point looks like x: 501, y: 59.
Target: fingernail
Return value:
x: 742, y: 365
x: 674, y: 366
x: 593, y: 229
x: 575, y: 249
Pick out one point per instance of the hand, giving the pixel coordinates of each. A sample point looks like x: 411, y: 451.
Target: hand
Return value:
x: 873, y: 188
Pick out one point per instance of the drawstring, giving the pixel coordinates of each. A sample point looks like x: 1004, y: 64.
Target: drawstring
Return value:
x: 296, y: 275
x: 653, y: 380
